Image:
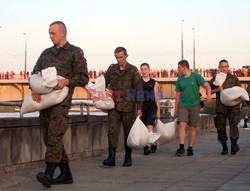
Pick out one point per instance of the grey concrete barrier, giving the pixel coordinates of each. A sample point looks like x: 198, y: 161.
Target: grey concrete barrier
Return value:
x: 21, y: 140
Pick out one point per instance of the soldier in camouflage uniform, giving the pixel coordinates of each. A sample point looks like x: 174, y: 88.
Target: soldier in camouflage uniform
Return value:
x: 223, y: 112
x: 70, y: 64
x: 124, y: 81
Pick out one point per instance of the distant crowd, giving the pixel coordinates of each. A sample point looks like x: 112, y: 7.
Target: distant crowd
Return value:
x: 173, y: 73
x: 11, y: 75
x: 163, y: 73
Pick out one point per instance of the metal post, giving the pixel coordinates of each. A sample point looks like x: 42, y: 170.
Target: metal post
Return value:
x: 88, y: 110
x: 193, y: 49
x: 25, y: 54
x: 81, y: 109
x: 182, y: 43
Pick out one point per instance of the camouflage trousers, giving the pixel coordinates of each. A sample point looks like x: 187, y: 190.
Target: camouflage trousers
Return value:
x: 116, y: 119
x: 222, y: 113
x: 54, y: 123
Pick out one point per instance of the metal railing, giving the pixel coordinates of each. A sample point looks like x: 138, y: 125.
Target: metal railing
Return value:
x: 81, y: 104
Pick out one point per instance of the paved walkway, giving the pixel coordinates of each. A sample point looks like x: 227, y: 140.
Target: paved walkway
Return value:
x: 162, y: 171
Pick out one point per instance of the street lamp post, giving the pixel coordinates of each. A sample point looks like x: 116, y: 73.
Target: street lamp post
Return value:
x: 182, y: 44
x: 193, y: 49
x: 25, y: 54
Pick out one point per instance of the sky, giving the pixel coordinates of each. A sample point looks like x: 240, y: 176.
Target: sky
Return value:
x: 150, y: 30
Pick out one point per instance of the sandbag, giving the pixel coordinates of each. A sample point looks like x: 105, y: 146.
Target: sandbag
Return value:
x: 47, y: 100
x: 104, y: 104
x: 101, y: 99
x: 98, y: 86
x: 220, y: 79
x: 49, y: 77
x: 233, y: 96
x: 36, y: 81
x: 43, y: 82
x: 153, y: 137
x: 167, y: 131
x: 138, y: 136
x: 242, y: 123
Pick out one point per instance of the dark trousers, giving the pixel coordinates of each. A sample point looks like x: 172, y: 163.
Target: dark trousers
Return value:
x: 117, y: 118
x: 222, y: 113
x: 54, y: 123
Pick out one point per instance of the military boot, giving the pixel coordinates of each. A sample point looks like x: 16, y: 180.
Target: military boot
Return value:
x: 110, y: 161
x: 46, y: 177
x: 65, y: 177
x: 224, y: 149
x: 234, y: 146
x: 128, y: 159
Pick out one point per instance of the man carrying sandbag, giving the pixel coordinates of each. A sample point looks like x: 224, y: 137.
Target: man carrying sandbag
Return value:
x: 223, y: 112
x: 70, y: 64
x: 187, y: 104
x: 125, y: 82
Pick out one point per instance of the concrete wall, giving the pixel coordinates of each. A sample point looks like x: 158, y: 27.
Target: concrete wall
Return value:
x: 21, y: 141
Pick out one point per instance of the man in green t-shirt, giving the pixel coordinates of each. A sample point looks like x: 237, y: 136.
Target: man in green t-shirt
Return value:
x: 187, y: 104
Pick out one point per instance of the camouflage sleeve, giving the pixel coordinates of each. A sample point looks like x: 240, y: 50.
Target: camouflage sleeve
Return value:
x: 236, y: 81
x: 137, y: 83
x: 211, y: 83
x: 107, y: 75
x: 38, y: 65
x: 80, y: 69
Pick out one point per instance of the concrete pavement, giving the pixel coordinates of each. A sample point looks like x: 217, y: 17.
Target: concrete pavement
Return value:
x: 162, y: 171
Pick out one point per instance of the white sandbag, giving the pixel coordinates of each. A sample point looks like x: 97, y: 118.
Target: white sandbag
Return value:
x: 49, y: 77
x: 98, y: 86
x: 102, y: 100
x: 138, y: 136
x: 242, y: 123
x: 104, y: 104
x: 36, y: 81
x: 220, y: 79
x: 167, y: 131
x: 171, y: 109
x: 47, y: 100
x: 153, y: 137
x: 44, y: 82
x: 233, y: 96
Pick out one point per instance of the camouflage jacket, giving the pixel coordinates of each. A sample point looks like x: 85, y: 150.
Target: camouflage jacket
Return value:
x: 70, y: 64
x: 126, y: 87
x: 231, y: 80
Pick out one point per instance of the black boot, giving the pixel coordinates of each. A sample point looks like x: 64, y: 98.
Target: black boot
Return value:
x: 234, y: 146
x: 224, y: 149
x: 65, y: 177
x: 110, y: 161
x: 128, y: 159
x: 245, y: 123
x: 46, y: 177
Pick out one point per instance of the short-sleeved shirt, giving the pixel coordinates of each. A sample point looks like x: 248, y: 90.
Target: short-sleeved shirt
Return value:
x: 189, y: 88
